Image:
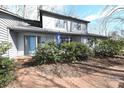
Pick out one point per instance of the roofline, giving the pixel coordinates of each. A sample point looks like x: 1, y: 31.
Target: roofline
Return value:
x: 96, y: 35
x: 44, y: 12
x: 44, y: 30
x: 10, y: 13
x: 40, y: 30
x: 15, y: 15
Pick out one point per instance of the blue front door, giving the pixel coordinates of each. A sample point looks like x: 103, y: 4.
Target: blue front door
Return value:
x: 31, y: 44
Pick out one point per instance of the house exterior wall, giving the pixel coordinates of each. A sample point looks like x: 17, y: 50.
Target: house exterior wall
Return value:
x: 13, y: 40
x: 17, y: 38
x: 84, y: 39
x: 5, y: 35
x: 20, y: 44
x: 76, y: 38
x: 45, y: 38
x: 49, y: 22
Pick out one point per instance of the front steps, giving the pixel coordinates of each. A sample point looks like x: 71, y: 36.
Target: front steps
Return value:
x: 23, y: 59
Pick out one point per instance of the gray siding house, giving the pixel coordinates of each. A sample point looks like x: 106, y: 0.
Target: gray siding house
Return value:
x: 25, y: 34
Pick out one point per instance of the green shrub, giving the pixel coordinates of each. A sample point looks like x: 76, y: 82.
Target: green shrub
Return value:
x: 6, y: 65
x: 6, y: 71
x: 75, y: 51
x: 108, y: 48
x: 4, y: 46
x: 92, y: 42
x: 66, y: 52
x: 50, y: 53
x: 69, y: 52
x: 120, y: 47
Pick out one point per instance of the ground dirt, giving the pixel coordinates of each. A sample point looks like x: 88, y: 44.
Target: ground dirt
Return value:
x: 93, y: 73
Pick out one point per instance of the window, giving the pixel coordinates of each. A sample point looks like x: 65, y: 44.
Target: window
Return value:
x: 65, y: 39
x: 39, y: 40
x: 60, y: 23
x: 76, y: 26
x: 84, y: 27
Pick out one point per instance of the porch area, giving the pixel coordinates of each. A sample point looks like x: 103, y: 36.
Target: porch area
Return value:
x: 25, y: 43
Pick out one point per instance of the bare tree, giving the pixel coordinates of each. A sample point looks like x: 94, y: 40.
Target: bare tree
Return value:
x: 3, y: 6
x: 113, y: 15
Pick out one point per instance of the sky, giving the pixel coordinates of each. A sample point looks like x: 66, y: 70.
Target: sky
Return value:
x: 87, y: 12
x: 92, y: 13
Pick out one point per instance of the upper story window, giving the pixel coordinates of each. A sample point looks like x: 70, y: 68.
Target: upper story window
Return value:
x: 60, y: 23
x: 84, y: 27
x: 76, y: 26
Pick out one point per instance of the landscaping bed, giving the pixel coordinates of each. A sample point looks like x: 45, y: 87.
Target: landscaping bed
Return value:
x: 73, y: 64
x: 74, y: 70
x: 95, y: 72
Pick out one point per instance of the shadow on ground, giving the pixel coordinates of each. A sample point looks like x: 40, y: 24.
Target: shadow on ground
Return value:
x: 91, y: 73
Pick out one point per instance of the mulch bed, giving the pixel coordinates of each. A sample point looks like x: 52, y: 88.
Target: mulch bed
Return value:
x: 91, y: 67
x: 62, y: 70
x: 76, y: 70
